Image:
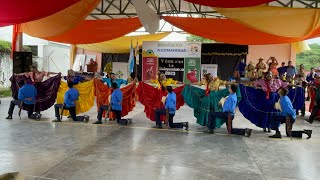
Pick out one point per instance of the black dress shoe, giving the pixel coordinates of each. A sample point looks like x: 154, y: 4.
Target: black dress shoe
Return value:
x: 157, y: 127
x: 264, y: 129
x: 209, y: 131
x: 86, y: 118
x: 308, y: 132
x: 269, y: 130
x: 248, y: 132
x: 57, y: 120
x: 9, y: 117
x: 277, y: 135
x: 186, y: 126
x: 309, y: 121
x: 98, y: 122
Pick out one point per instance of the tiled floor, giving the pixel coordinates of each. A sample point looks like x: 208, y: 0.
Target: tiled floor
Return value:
x: 77, y: 151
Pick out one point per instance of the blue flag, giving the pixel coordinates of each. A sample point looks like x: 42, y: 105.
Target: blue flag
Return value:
x: 131, y: 60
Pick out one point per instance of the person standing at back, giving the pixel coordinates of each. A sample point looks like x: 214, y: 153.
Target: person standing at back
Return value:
x: 291, y: 70
x: 282, y: 70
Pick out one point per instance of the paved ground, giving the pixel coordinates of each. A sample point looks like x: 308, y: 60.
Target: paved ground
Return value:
x: 77, y: 151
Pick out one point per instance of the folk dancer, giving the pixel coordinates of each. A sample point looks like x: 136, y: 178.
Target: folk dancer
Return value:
x: 228, y: 109
x: 169, y: 112
x: 26, y: 97
x: 116, y: 106
x: 288, y: 116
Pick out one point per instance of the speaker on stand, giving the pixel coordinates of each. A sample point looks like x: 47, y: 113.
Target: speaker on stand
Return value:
x: 21, y: 62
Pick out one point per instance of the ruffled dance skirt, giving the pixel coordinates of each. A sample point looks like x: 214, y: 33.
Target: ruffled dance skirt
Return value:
x: 256, y: 108
x: 196, y: 98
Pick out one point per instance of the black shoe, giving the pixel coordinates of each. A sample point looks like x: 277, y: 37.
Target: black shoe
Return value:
x: 98, y: 122
x: 248, y: 132
x: 57, y: 120
x: 277, y: 135
x: 157, y: 127
x: 9, y: 117
x: 86, y: 119
x: 264, y: 129
x: 269, y: 130
x: 309, y: 121
x: 308, y: 132
x: 209, y: 131
x: 187, y: 126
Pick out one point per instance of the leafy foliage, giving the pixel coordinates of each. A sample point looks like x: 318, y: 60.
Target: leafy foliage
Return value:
x: 5, y: 47
x: 5, y: 92
x: 309, y: 58
x: 199, y: 39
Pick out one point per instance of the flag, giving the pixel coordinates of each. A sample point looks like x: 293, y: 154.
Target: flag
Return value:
x: 137, y: 53
x: 131, y: 60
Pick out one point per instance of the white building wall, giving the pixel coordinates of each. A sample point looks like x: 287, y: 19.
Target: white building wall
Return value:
x: 53, y: 58
x: 5, y: 70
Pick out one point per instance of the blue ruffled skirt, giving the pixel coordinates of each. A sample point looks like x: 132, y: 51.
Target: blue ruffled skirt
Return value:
x: 256, y: 108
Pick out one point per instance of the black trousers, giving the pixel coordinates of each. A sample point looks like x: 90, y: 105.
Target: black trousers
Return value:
x: 223, y: 115
x: 278, y: 120
x: 117, y: 112
x: 303, y: 110
x: 314, y: 111
x: 13, y: 103
x: 72, y: 111
x: 161, y: 112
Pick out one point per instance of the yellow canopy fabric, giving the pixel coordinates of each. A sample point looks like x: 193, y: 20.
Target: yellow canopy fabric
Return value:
x: 60, y: 22
x: 86, y: 96
x: 301, y: 46
x: 121, y: 45
x: 281, y: 21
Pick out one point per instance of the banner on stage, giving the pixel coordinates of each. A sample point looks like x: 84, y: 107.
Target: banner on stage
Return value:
x: 192, y: 70
x: 174, y: 57
x: 209, y: 68
x: 172, y: 67
x: 120, y: 69
x: 149, y: 68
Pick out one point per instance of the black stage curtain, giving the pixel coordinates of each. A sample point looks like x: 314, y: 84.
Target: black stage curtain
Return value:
x: 123, y: 57
x: 227, y: 56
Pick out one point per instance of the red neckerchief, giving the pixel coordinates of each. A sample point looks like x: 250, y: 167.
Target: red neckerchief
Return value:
x: 207, y: 89
x: 268, y: 88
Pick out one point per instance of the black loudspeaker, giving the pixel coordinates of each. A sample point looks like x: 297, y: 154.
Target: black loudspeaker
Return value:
x: 21, y: 62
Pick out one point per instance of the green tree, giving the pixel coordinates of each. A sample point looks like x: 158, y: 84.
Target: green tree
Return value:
x: 5, y: 47
x: 309, y: 58
x: 192, y: 37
